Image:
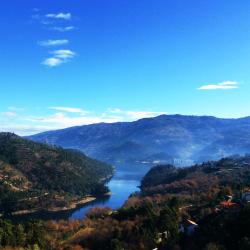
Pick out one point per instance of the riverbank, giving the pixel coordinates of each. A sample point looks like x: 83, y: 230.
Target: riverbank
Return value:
x: 73, y: 205
x: 125, y: 181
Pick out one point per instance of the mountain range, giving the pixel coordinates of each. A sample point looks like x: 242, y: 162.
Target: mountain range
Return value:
x: 174, y: 139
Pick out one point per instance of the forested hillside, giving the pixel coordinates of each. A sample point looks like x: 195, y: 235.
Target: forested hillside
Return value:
x: 201, y: 207
x: 34, y: 175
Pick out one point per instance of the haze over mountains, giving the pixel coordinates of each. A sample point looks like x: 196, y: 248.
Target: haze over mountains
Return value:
x: 176, y: 139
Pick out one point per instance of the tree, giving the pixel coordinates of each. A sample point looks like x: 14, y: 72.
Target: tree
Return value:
x: 244, y: 243
x: 20, y: 235
x: 116, y: 245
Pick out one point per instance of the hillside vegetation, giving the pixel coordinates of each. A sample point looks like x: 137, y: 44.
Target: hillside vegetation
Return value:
x: 35, y: 175
x: 196, y: 208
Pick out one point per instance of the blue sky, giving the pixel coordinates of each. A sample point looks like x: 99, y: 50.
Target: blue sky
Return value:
x: 66, y: 63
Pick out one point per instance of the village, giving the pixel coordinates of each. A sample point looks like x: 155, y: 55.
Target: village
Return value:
x: 187, y: 227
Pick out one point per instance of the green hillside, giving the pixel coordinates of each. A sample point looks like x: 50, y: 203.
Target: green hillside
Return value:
x: 36, y: 175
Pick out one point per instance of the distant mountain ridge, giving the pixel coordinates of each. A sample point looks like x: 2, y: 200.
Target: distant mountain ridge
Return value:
x: 164, y: 139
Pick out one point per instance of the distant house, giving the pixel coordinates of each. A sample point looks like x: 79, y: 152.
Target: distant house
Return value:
x: 246, y: 196
x: 188, y: 227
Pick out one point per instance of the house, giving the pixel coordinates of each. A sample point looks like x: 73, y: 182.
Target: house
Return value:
x: 188, y: 227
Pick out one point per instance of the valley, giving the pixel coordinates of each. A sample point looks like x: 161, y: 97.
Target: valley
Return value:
x: 124, y: 125
x: 204, y: 206
x: 81, y: 203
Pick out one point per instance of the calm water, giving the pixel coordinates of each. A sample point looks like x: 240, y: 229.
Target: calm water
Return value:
x: 125, y: 181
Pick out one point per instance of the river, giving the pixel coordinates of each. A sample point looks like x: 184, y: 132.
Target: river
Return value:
x: 124, y: 182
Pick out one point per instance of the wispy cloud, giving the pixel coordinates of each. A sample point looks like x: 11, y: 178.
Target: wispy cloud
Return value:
x: 63, y: 117
x: 52, y: 62
x: 51, y: 42
x: 51, y: 18
x: 9, y: 114
x: 53, y: 22
x: 222, y: 85
x: 63, y: 53
x: 23, y: 129
x: 134, y: 115
x: 65, y: 16
x: 62, y: 120
x: 63, y: 29
x: 69, y: 109
x: 59, y: 57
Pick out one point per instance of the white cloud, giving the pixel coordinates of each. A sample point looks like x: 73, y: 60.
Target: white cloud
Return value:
x: 9, y: 114
x: 65, y: 16
x: 53, y: 62
x: 228, y: 83
x: 23, y: 130
x: 142, y: 114
x: 51, y: 42
x: 63, y: 29
x: 69, y: 109
x: 25, y: 124
x: 59, y: 57
x: 134, y: 115
x: 222, y: 85
x: 62, y: 120
x: 63, y: 53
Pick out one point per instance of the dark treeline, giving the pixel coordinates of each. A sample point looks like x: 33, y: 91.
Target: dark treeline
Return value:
x: 30, y: 235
